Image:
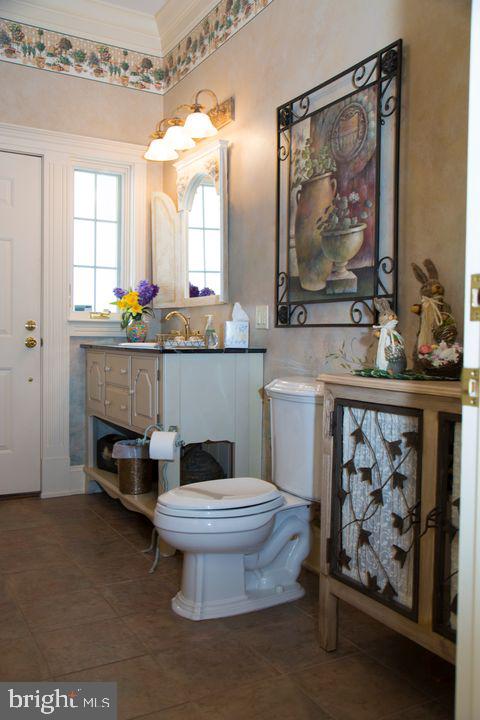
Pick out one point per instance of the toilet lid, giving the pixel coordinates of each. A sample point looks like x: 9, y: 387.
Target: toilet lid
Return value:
x: 220, y: 494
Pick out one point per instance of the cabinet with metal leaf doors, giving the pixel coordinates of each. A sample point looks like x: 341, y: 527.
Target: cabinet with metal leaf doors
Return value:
x: 390, y: 506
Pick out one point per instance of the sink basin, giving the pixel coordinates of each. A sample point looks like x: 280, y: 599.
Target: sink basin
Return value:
x: 139, y: 345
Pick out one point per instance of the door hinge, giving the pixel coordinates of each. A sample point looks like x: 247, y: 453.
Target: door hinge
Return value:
x: 475, y: 298
x: 471, y: 387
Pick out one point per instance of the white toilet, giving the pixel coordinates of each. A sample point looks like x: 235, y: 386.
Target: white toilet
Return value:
x: 244, y: 539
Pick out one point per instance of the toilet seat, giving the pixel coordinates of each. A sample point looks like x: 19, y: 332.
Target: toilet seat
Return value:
x: 229, y: 497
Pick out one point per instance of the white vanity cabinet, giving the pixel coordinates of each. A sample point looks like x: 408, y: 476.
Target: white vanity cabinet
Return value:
x: 210, y: 396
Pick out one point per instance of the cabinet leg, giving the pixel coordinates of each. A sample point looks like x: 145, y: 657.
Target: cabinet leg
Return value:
x: 328, y: 616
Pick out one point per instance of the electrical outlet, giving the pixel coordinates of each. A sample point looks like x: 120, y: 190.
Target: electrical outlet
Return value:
x: 261, y: 317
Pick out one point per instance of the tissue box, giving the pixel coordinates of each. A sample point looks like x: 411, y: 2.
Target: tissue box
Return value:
x: 236, y: 334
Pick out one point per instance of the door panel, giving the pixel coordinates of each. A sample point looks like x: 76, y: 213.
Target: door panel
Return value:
x: 96, y: 382
x: 20, y: 283
x: 144, y: 391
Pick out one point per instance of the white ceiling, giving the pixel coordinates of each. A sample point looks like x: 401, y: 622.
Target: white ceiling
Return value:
x: 149, y: 26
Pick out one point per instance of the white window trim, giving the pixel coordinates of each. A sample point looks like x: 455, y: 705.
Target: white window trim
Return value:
x: 81, y: 324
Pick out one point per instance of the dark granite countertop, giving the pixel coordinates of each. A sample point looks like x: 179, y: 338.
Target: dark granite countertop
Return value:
x: 162, y: 351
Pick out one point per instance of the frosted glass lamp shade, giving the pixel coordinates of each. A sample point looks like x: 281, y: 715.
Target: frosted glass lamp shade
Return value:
x: 159, y: 150
x: 198, y: 125
x: 178, y: 139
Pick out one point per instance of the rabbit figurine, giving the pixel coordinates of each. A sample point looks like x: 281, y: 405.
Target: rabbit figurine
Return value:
x: 391, y: 346
x: 437, y: 323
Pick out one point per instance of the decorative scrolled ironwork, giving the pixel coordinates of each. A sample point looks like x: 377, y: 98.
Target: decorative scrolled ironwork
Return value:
x: 304, y: 105
x: 282, y: 286
x: 389, y: 62
x: 282, y: 314
x: 297, y: 315
x: 285, y: 117
x: 385, y: 265
x: 362, y: 75
x: 284, y: 148
x: 356, y: 312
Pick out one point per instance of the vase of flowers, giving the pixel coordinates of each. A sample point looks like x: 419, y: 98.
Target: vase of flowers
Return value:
x: 134, y: 305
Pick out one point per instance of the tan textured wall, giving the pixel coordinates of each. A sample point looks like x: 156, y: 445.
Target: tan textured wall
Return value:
x: 291, y: 47
x: 48, y: 101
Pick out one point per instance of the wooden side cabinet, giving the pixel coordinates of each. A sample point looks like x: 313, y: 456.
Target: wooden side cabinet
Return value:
x: 389, y: 508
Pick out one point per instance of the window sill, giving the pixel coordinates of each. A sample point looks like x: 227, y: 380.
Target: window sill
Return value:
x: 192, y: 302
x: 82, y: 325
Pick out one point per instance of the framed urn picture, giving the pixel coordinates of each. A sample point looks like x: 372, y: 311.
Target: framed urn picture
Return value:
x: 337, y: 196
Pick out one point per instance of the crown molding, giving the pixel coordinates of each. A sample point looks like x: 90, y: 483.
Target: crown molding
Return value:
x: 95, y: 20
x: 178, y: 17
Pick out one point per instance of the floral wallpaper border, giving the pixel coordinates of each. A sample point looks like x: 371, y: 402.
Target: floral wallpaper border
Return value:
x: 56, y: 52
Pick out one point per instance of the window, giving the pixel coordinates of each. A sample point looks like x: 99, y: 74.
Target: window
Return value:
x: 97, y: 231
x: 204, y: 242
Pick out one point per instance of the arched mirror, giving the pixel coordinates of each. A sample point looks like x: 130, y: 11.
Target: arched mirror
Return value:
x: 198, y: 259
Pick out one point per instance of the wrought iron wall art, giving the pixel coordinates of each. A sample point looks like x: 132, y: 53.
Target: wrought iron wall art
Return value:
x: 446, y: 533
x: 337, y: 196
x: 376, y: 502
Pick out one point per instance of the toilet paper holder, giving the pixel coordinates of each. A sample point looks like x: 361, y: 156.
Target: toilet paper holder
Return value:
x: 159, y: 426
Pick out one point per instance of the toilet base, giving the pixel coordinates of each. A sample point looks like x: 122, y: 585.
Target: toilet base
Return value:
x: 252, y: 601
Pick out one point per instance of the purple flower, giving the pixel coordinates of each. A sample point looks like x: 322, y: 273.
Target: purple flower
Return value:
x: 206, y: 291
x: 146, y: 292
x: 119, y: 293
x: 194, y: 291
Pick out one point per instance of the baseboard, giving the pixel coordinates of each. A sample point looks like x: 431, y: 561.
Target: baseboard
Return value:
x: 74, y: 485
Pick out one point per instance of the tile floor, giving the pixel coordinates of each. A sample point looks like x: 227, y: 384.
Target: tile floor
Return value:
x: 77, y: 603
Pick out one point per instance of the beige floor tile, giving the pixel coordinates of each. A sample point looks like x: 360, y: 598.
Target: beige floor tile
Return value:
x: 22, y: 515
x: 279, y: 698
x: 65, y: 610
x: 292, y: 645
x: 288, y: 612
x: 163, y: 628
x: 143, y: 686
x: 136, y: 596
x: 358, y: 688
x: 88, y: 645
x: 12, y: 622
x: 18, y: 559
x: 21, y: 660
x: 140, y: 536
x: 60, y: 578
x: 199, y: 669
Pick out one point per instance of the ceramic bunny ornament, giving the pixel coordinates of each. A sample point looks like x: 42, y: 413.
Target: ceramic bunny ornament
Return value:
x: 437, y: 323
x: 391, y: 346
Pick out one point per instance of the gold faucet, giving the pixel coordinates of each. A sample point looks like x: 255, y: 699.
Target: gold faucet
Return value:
x: 185, y: 319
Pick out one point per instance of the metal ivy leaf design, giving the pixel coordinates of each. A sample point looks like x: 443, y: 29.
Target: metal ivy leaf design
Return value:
x: 381, y: 465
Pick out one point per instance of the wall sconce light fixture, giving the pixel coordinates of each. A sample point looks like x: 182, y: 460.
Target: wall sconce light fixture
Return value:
x: 181, y: 134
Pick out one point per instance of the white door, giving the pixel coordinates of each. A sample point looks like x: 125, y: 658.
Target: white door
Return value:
x: 468, y: 623
x: 20, y: 283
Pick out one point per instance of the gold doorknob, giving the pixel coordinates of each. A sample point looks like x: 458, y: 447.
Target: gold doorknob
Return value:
x: 30, y: 325
x: 30, y: 342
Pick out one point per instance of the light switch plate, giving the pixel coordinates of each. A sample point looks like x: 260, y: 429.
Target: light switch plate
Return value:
x: 261, y: 317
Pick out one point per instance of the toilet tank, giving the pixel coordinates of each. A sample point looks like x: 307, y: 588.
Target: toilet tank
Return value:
x: 296, y: 418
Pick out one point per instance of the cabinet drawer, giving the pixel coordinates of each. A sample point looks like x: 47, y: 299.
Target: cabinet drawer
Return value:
x: 117, y: 404
x: 117, y: 369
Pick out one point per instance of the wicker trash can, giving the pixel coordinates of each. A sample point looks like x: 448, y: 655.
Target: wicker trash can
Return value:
x: 136, y: 472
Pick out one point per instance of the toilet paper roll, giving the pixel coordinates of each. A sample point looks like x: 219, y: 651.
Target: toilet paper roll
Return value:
x: 163, y: 445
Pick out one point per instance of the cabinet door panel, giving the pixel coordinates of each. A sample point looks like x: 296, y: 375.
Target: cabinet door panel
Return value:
x: 96, y: 383
x: 117, y: 404
x: 376, y: 502
x: 117, y: 369
x: 446, y: 531
x: 144, y: 391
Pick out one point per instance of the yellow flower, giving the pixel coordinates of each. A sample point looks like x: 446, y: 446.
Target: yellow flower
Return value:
x: 131, y: 298
x: 122, y: 304
x: 136, y: 309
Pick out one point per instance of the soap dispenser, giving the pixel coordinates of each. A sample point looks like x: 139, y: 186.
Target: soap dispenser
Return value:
x: 211, y: 337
